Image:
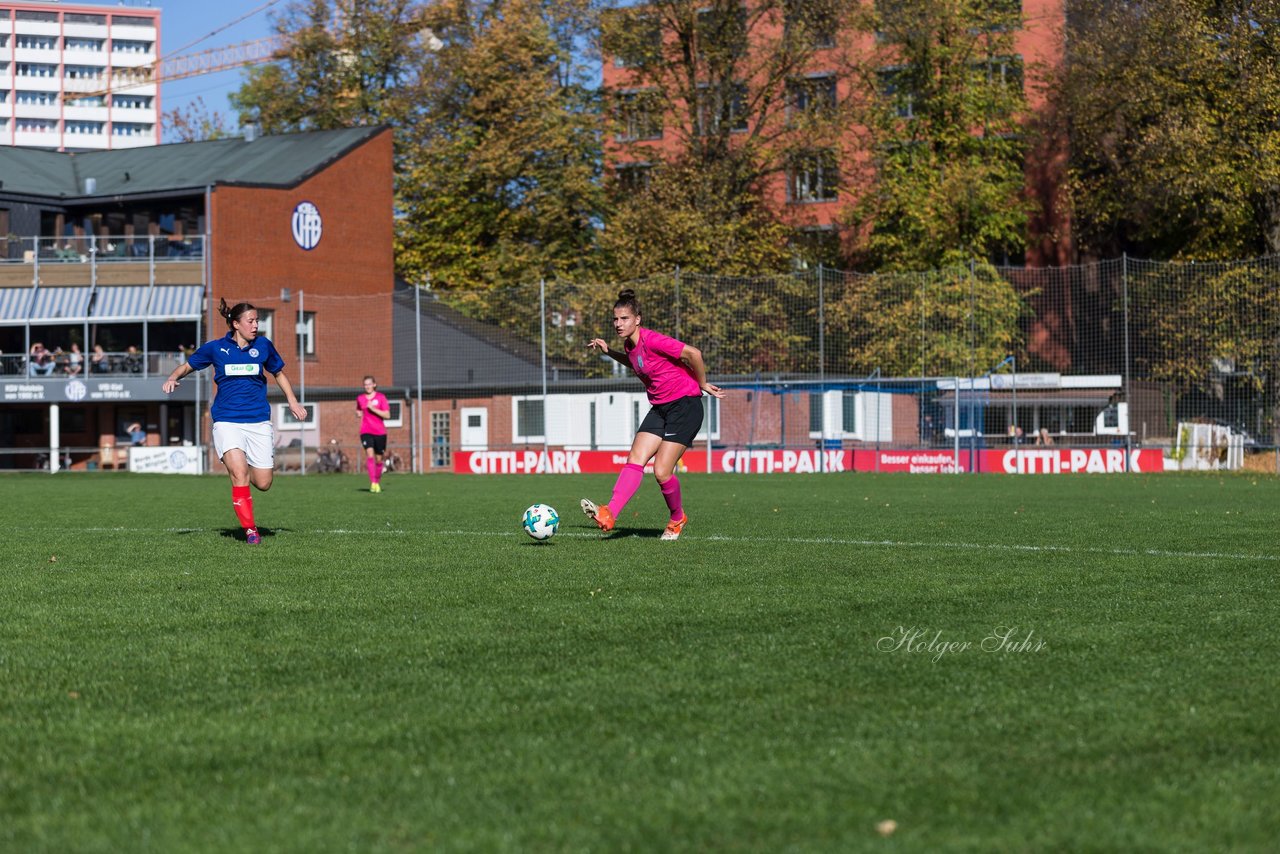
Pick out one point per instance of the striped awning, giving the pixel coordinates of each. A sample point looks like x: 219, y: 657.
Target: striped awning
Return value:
x: 54, y: 304
x: 175, y: 302
x: 121, y: 304
x: 13, y: 305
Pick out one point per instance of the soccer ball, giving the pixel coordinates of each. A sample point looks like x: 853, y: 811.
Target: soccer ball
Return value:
x: 541, y: 521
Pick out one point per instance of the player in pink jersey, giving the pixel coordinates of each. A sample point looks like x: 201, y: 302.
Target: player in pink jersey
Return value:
x: 374, y: 411
x: 674, y: 377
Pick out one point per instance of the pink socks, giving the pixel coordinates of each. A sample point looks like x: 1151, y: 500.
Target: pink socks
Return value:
x: 671, y: 492
x: 374, y: 468
x: 628, y: 482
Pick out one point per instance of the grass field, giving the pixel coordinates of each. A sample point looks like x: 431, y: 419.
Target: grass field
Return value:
x: 408, y: 671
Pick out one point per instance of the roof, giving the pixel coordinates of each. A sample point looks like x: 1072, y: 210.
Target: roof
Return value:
x: 282, y: 160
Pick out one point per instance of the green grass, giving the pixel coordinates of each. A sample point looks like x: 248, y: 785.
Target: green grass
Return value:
x: 408, y: 671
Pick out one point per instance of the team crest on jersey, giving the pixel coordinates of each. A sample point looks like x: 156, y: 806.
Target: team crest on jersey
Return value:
x: 253, y: 352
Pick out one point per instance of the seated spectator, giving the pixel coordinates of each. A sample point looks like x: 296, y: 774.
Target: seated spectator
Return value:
x: 98, y: 361
x: 41, y: 361
x: 133, y: 360
x: 1043, y: 437
x: 75, y: 361
x: 137, y: 436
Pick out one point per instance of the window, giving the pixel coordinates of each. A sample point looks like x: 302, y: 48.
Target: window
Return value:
x: 131, y: 102
x: 286, y: 421
x: 441, y: 446
x: 132, y: 21
x: 129, y: 46
x: 130, y: 129
x: 43, y: 99
x: 307, y: 332
x: 265, y: 316
x: 638, y: 117
x: 633, y: 177
x: 84, y: 44
x: 819, y: 245
x: 711, y: 419
x: 816, y: 23
x: 83, y: 127
x: 35, y: 42
x: 811, y: 95
x: 87, y: 101
x: 36, y: 69
x: 42, y: 17
x: 722, y: 105
x: 722, y: 34
x: 83, y: 72
x: 896, y: 88
x: 77, y: 18
x: 634, y: 37
x: 833, y: 413
x: 1005, y: 70
x: 530, y: 419
x: 812, y: 177
x: 396, y: 419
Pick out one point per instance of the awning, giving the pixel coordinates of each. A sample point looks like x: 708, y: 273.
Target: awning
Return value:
x: 121, y: 304
x: 55, y: 304
x: 13, y: 305
x: 176, y: 302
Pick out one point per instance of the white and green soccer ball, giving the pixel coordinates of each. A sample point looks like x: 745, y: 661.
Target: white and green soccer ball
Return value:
x: 541, y: 521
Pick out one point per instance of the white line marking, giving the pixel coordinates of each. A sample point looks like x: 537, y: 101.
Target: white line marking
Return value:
x: 826, y: 541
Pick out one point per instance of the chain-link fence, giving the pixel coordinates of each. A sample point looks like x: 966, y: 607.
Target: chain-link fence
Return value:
x: 1119, y: 354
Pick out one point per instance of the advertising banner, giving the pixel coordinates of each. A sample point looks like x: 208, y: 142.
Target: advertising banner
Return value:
x: 1032, y: 460
x: 181, y: 459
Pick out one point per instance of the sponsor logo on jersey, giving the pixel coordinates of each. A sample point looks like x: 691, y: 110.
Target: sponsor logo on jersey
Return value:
x: 242, y: 370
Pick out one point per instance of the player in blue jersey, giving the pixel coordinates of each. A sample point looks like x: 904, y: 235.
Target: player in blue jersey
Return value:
x: 242, y: 433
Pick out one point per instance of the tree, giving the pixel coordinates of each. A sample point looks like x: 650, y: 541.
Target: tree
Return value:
x: 194, y: 123
x: 1210, y: 328
x: 1174, y: 113
x: 952, y: 322
x: 501, y: 161
x: 739, y: 92
x: 495, y: 147
x: 346, y: 63
x: 943, y: 181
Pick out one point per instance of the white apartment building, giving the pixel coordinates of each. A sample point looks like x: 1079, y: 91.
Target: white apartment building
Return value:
x: 70, y: 76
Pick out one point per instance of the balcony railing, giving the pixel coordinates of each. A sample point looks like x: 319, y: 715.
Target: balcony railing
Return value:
x: 61, y: 365
x: 110, y: 259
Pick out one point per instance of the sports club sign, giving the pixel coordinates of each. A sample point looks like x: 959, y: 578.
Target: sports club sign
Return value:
x: 1004, y: 461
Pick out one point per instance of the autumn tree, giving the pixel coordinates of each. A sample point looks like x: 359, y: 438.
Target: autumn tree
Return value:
x: 499, y: 182
x: 194, y: 122
x: 345, y: 63
x: 1210, y: 328
x: 1174, y: 113
x: 943, y: 178
x: 737, y: 93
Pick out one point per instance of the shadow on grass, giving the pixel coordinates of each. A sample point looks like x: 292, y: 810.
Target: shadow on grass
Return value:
x: 238, y: 533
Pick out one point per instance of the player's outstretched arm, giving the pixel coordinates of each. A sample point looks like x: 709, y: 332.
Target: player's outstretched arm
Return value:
x: 179, y: 372
x: 603, y: 346
x: 299, y: 411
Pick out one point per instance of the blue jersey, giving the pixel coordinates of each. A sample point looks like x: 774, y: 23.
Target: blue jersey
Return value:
x: 241, y: 375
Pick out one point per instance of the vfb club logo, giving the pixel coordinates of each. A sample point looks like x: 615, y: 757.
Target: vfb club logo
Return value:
x: 307, y: 227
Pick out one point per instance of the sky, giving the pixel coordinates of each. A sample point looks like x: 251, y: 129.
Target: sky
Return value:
x: 192, y: 26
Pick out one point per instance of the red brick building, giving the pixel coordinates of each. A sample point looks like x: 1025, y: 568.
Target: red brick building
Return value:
x: 130, y: 251
x: 809, y: 205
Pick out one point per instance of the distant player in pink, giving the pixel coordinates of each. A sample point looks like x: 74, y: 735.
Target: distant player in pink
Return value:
x: 674, y: 376
x: 374, y: 411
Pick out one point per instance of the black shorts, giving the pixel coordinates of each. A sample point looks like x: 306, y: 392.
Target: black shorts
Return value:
x: 678, y: 421
x: 375, y: 441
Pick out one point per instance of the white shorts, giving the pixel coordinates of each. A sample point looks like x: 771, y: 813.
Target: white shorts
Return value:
x: 258, y: 441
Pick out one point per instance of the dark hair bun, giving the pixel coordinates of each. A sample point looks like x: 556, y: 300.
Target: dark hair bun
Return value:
x: 626, y: 294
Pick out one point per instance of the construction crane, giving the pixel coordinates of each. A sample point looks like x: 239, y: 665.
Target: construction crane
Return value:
x: 253, y: 52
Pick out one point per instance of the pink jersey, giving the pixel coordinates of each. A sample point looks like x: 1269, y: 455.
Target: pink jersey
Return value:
x: 656, y: 361
x: 370, y: 423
